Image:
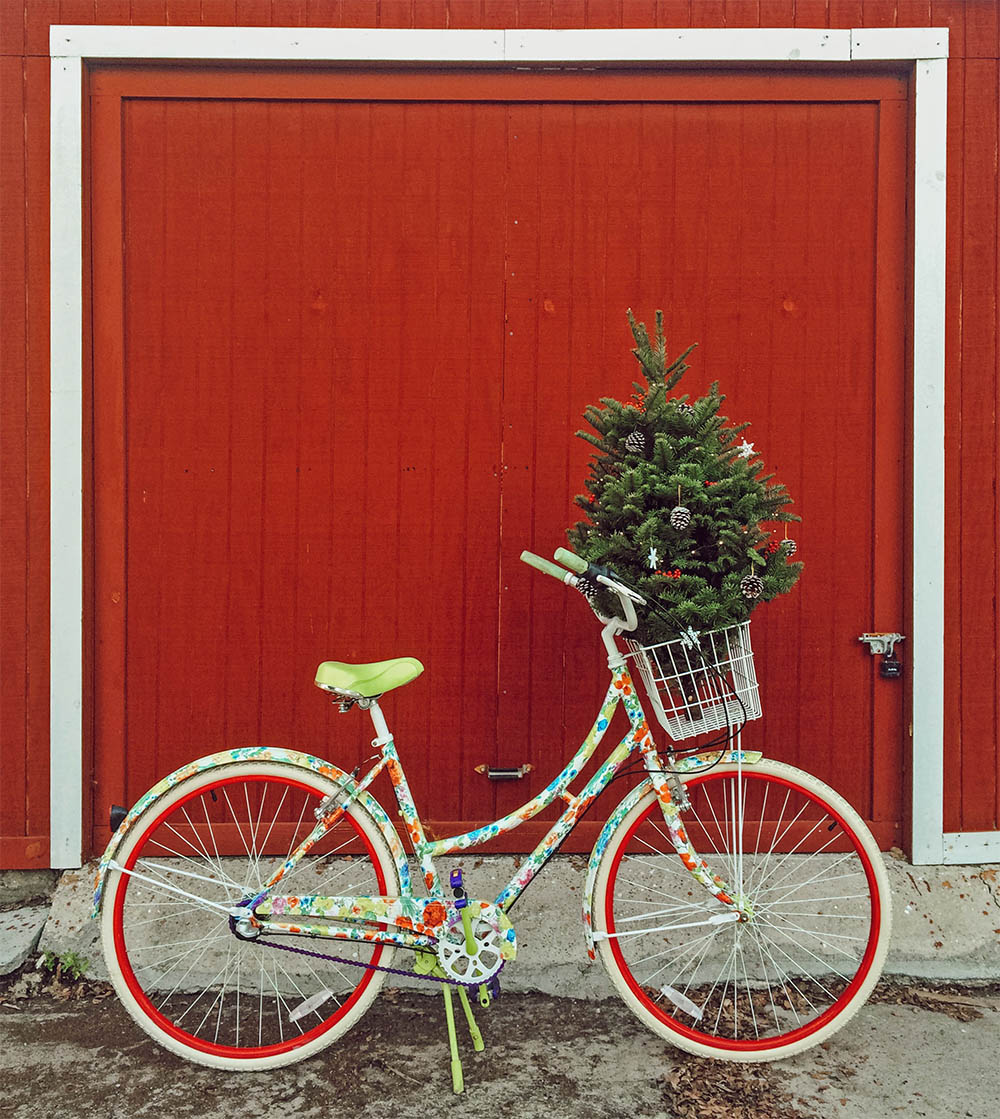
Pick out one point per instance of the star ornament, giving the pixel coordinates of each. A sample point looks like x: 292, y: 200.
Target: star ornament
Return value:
x: 690, y: 638
x: 654, y: 558
x: 745, y: 449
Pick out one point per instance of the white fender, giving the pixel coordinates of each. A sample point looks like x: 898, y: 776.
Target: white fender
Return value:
x: 243, y: 754
x: 688, y: 766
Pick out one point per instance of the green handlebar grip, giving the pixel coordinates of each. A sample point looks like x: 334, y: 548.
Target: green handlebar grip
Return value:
x: 545, y: 565
x: 571, y: 560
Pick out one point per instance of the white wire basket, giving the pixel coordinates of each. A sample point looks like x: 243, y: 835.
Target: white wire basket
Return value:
x: 701, y: 683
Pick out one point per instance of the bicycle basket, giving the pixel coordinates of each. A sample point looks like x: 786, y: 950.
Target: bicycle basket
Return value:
x: 693, y: 685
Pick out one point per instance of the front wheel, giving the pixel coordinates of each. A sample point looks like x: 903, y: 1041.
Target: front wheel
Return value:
x: 815, y: 892
x: 178, y: 960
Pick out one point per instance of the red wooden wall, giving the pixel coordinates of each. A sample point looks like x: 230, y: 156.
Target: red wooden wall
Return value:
x: 347, y: 387
x: 970, y: 563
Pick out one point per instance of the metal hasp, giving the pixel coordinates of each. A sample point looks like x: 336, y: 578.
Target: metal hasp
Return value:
x: 883, y: 644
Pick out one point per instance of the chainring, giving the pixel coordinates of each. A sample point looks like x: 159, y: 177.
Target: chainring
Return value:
x: 458, y: 963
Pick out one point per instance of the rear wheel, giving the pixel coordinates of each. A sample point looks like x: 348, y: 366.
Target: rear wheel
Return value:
x: 819, y: 915
x: 181, y: 967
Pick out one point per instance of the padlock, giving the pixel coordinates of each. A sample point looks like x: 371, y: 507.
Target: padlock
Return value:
x: 890, y: 668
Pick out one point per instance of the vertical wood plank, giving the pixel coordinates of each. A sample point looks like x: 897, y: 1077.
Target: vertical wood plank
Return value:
x: 37, y: 19
x: 598, y: 13
x: 186, y: 13
x: 673, y: 13
x: 500, y: 13
x: 708, y: 13
x: 36, y: 280
x: 153, y: 13
x: 638, y: 13
x: 426, y: 13
x: 534, y: 13
x: 517, y: 672
x: 891, y: 544
x: 77, y: 11
x: 13, y: 439
x: 913, y: 13
x: 108, y: 455
x: 13, y: 20
x: 777, y: 13
x: 741, y: 13
x: 812, y: 13
x: 977, y: 460
x: 847, y: 13
x: 953, y: 573
x: 359, y: 13
x: 401, y: 13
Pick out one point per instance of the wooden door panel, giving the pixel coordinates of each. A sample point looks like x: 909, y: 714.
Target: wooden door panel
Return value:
x: 754, y: 227
x: 359, y: 320
x: 311, y: 437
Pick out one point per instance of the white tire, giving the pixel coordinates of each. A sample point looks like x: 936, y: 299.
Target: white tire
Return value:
x: 179, y: 967
x: 812, y: 949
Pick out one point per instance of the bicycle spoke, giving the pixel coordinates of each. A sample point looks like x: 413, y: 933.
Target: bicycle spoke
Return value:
x: 782, y: 974
x: 189, y: 972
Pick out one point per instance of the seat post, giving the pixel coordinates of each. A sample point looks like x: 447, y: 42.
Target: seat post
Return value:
x: 382, y: 733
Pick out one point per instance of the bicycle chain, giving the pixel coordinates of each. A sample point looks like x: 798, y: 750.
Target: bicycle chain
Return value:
x: 377, y: 967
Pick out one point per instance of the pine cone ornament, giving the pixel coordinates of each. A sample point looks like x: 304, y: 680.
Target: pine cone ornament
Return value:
x: 790, y: 547
x: 588, y: 589
x: 636, y: 443
x: 684, y: 409
x: 680, y: 517
x: 752, y: 586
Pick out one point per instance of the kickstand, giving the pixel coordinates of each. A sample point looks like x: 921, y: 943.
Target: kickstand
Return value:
x: 477, y: 1038
x: 457, y: 1080
x: 457, y: 1083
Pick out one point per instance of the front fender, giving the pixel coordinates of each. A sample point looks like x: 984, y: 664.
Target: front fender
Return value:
x: 690, y: 766
x: 243, y: 754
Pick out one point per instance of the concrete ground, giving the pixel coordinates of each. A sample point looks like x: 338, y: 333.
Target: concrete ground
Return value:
x: 916, y: 1050
x: 558, y: 1046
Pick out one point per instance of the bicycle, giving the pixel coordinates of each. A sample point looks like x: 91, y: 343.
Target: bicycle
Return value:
x: 761, y: 945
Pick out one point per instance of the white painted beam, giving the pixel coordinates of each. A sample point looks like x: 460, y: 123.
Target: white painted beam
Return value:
x: 927, y: 646
x: 872, y: 44
x: 963, y: 848
x: 780, y: 44
x: 302, y: 44
x: 66, y: 458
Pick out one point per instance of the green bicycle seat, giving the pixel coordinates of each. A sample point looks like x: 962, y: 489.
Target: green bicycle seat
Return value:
x: 368, y: 679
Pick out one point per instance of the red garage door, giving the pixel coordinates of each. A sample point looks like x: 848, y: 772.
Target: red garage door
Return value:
x: 345, y: 326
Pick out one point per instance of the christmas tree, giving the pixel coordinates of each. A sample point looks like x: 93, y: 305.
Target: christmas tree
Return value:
x: 677, y: 507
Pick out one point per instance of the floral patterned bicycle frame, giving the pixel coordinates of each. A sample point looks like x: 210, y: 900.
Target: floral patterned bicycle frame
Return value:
x: 416, y: 920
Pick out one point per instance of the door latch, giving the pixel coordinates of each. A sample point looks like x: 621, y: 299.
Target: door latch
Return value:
x: 514, y: 773
x: 883, y: 645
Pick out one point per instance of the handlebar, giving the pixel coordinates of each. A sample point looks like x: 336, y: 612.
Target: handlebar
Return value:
x: 571, y: 560
x: 627, y: 597
x: 548, y: 567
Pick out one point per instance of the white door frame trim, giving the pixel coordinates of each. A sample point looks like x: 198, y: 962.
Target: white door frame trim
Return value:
x: 925, y: 48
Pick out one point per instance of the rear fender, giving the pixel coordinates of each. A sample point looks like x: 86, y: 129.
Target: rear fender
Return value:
x: 689, y: 767
x: 251, y: 753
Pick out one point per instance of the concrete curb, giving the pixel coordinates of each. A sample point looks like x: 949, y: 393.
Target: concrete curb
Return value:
x: 946, y: 924
x: 20, y: 931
